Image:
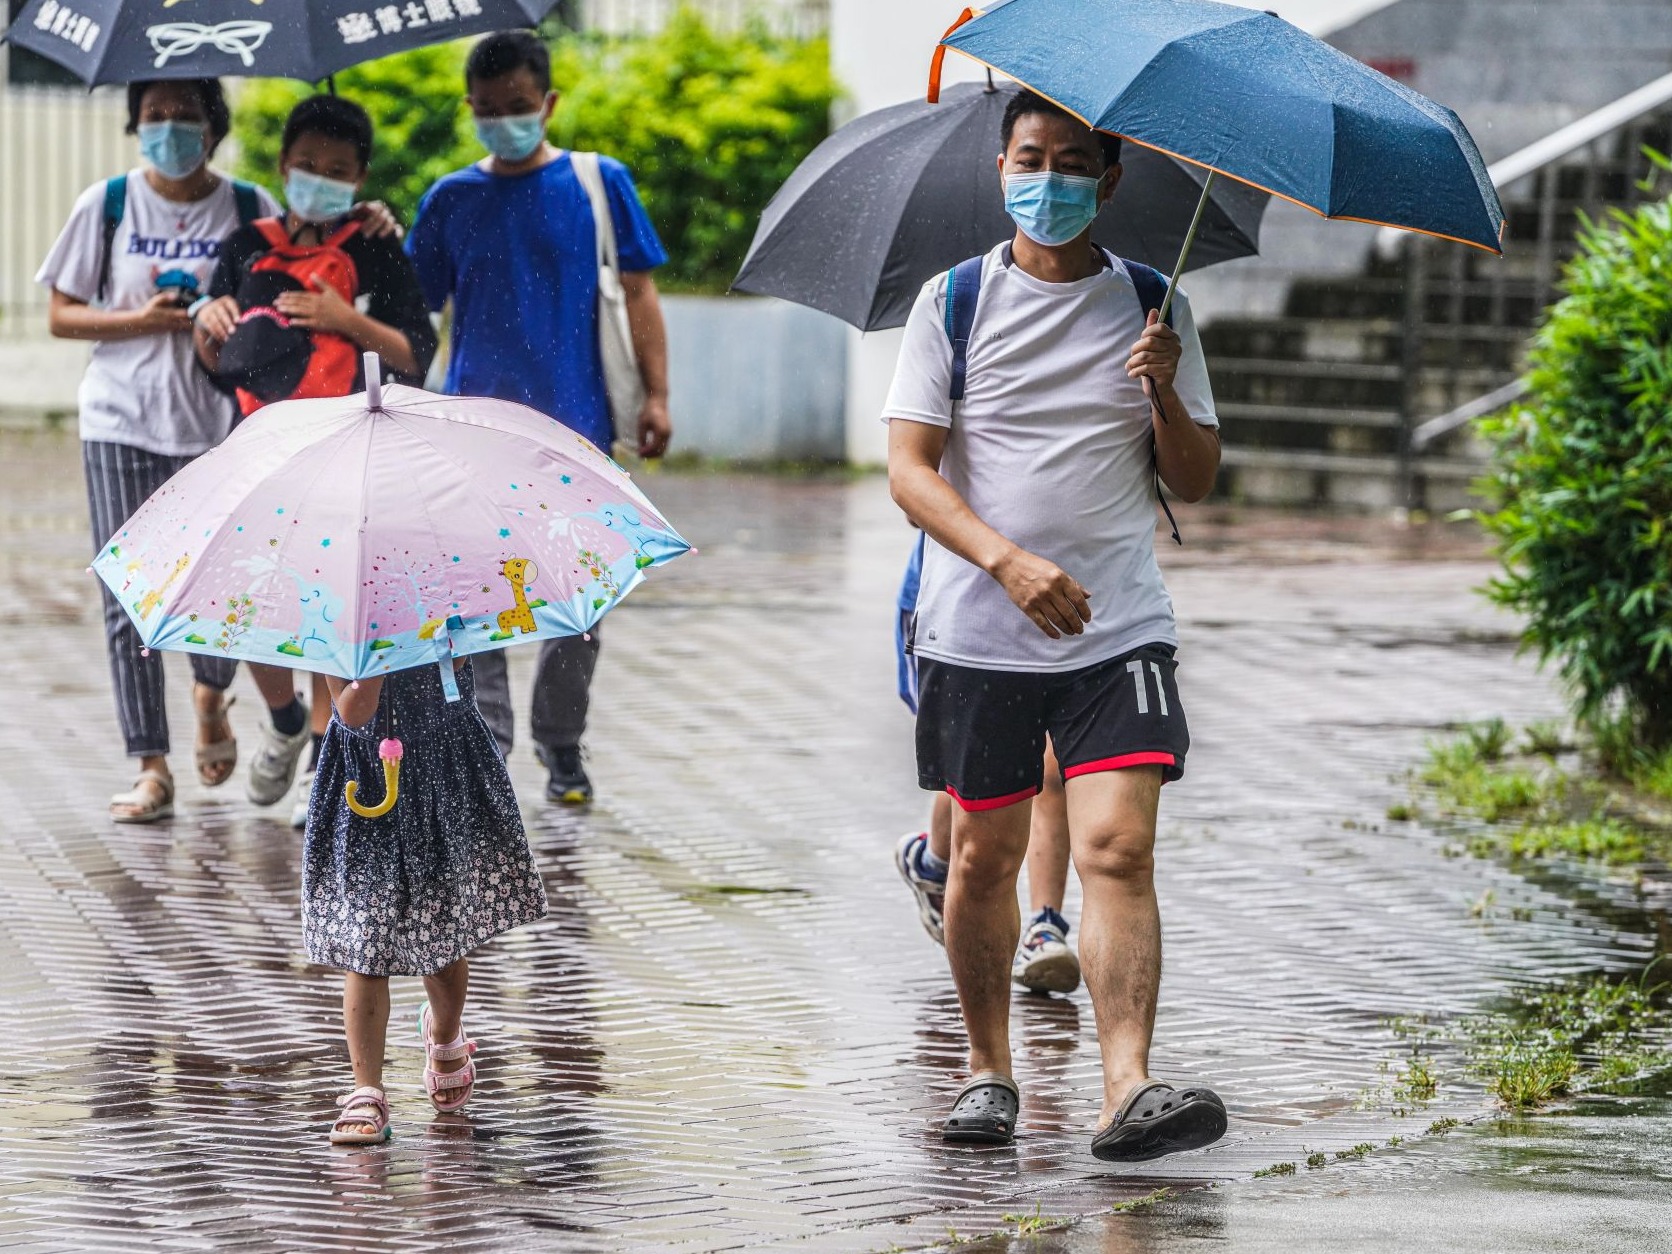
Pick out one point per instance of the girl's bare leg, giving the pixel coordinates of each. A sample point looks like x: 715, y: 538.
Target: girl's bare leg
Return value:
x: 447, y: 989
x: 366, y: 1024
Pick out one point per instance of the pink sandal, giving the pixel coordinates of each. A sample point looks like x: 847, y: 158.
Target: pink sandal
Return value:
x: 364, y: 1105
x: 448, y: 1090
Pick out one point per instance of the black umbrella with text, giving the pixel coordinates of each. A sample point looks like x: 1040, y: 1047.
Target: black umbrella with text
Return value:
x: 125, y: 41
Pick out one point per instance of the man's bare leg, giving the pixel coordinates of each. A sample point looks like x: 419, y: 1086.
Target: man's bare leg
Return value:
x: 1111, y: 818
x: 983, y: 925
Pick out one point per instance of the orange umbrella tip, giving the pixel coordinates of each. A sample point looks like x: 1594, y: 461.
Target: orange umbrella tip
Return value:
x: 939, y: 59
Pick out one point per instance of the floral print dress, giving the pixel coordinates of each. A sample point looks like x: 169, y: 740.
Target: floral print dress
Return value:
x: 446, y: 870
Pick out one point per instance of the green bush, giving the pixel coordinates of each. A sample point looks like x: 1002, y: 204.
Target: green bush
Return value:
x: 710, y: 123
x: 1581, y: 482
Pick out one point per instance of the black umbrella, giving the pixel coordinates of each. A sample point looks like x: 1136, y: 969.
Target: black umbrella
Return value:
x: 125, y: 41
x: 898, y: 195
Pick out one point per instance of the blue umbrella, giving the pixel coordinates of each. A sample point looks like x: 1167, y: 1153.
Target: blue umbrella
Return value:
x: 1247, y: 95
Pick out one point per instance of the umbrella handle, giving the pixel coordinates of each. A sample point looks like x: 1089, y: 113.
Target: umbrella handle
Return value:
x: 374, y: 382
x: 1189, y: 243
x: 390, y: 752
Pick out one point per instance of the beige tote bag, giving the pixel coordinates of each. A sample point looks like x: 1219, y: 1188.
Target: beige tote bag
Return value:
x: 622, y: 380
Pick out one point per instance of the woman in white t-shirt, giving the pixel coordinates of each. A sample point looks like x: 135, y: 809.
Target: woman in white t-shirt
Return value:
x: 136, y: 253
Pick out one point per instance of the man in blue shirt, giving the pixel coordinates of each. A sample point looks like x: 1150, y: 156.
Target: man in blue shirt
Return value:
x: 511, y: 243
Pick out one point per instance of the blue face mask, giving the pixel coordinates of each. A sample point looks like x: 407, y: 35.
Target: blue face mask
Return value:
x: 174, y: 149
x: 1051, y: 208
x: 315, y: 199
x: 513, y: 138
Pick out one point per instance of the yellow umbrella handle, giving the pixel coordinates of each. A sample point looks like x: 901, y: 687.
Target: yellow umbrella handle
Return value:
x: 390, y: 752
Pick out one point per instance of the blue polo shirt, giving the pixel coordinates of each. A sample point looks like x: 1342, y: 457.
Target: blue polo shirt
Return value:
x: 516, y: 255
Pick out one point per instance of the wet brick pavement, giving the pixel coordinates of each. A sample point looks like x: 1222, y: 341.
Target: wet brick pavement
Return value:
x: 731, y: 1032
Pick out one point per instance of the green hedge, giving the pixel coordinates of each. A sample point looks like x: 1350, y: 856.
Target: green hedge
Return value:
x: 1581, y: 481
x: 710, y: 123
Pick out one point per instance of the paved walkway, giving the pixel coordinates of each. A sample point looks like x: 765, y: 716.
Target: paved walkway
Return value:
x: 731, y: 1032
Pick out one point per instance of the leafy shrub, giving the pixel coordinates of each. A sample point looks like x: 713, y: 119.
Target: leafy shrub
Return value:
x: 711, y: 125
x: 709, y: 122
x: 1581, y: 482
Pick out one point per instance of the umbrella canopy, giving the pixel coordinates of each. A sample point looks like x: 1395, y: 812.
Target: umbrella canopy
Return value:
x: 901, y: 194
x: 125, y: 41
x: 365, y: 534
x: 1246, y: 94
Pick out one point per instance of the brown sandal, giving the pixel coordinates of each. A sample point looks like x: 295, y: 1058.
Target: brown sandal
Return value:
x: 217, y: 756
x: 142, y: 805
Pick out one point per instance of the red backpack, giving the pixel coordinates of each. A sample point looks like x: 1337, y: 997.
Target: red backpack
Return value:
x: 334, y: 363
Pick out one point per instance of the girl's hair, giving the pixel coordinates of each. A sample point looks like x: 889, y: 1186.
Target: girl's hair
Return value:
x: 210, y: 95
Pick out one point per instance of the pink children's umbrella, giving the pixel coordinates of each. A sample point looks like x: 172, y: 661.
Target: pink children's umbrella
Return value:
x: 367, y: 534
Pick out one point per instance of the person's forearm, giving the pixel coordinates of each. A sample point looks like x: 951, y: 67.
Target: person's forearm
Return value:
x: 388, y: 343
x: 1186, y: 452
x: 935, y: 506
x: 356, y: 702
x: 83, y: 322
x: 208, y: 349
x: 650, y: 338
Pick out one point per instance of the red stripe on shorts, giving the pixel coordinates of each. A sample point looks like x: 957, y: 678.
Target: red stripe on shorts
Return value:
x: 994, y: 803
x: 1120, y: 764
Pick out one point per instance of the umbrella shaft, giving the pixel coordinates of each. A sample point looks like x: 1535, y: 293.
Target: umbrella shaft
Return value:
x: 1189, y: 243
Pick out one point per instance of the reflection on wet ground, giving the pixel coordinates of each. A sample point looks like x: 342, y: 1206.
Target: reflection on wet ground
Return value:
x: 1591, y: 1178
x: 731, y: 1032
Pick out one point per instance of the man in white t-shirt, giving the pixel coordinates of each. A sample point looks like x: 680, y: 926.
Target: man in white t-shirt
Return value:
x: 1042, y: 610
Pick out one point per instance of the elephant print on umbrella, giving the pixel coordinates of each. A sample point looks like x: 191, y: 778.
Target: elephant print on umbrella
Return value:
x: 317, y: 635
x: 625, y: 521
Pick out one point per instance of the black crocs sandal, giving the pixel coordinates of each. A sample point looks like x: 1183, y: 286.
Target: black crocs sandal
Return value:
x: 1158, y: 1119
x: 985, y: 1112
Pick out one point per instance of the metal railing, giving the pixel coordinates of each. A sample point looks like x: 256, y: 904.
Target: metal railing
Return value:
x: 1469, y: 317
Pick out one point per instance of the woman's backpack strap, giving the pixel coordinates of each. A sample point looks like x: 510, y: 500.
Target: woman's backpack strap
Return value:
x: 115, y: 207
x: 248, y: 203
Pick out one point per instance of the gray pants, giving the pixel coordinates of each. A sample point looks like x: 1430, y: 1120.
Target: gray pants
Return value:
x: 562, y: 692
x: 119, y: 478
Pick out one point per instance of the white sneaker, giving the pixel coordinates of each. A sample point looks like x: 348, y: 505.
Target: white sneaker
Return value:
x: 299, y: 803
x: 1045, y: 963
x: 273, y: 765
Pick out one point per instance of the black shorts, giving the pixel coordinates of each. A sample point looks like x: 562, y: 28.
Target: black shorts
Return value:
x: 981, y: 733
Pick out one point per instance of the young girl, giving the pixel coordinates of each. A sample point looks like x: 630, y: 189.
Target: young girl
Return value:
x: 413, y: 891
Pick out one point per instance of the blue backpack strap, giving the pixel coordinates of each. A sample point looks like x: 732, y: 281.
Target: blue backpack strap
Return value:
x: 1151, y: 286
x: 115, y: 207
x: 963, y: 290
x: 249, y: 204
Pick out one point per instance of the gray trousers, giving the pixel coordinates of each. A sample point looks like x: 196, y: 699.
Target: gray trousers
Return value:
x: 562, y: 692
x: 119, y: 478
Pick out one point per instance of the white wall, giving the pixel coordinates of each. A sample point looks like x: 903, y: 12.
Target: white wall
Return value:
x: 880, y: 50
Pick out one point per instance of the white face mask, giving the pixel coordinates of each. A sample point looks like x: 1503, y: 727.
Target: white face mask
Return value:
x: 174, y: 149
x: 316, y: 199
